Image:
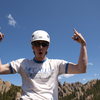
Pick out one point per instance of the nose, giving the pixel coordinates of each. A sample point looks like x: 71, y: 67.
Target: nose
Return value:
x: 41, y: 46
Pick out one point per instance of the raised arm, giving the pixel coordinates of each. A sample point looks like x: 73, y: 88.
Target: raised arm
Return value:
x: 81, y: 66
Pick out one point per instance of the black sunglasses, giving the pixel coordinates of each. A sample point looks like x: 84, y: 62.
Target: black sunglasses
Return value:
x: 38, y: 44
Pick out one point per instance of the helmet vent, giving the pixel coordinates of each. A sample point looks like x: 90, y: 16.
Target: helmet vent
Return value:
x: 32, y: 35
x: 40, y: 36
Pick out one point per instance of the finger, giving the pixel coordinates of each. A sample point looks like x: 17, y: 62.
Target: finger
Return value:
x: 75, y: 38
x: 76, y: 35
x: 1, y: 34
x: 75, y: 31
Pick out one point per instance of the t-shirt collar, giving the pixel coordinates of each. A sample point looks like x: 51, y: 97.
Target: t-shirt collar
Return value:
x: 36, y: 61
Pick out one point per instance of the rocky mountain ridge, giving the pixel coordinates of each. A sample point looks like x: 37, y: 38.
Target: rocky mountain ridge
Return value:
x: 67, y: 91
x: 79, y: 91
x: 4, y: 86
x: 9, y: 91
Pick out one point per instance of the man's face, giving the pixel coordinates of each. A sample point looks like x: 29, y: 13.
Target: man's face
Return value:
x: 40, y: 49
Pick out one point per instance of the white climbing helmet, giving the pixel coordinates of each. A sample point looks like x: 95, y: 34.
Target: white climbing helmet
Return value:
x: 40, y: 35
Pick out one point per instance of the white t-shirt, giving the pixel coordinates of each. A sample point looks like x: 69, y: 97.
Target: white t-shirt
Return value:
x: 39, y: 78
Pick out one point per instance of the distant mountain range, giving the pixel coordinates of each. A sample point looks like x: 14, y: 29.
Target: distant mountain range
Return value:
x: 67, y: 91
x: 79, y: 91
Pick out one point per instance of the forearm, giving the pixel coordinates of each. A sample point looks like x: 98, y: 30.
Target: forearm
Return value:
x: 83, y: 59
x: 4, y: 69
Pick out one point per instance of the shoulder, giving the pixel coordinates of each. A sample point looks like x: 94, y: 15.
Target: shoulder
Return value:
x: 57, y: 61
x: 21, y: 60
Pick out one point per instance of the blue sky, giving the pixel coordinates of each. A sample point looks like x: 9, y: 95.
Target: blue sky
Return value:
x: 19, y: 18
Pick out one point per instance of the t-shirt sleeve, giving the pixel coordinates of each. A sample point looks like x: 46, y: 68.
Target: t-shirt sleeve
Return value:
x: 62, y: 67
x: 16, y: 65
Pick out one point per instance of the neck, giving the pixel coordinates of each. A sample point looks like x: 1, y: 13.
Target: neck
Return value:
x: 40, y: 59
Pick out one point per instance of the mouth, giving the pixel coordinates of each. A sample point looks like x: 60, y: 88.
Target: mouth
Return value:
x: 40, y: 53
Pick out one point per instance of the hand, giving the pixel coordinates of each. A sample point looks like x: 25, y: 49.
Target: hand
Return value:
x: 1, y: 36
x: 79, y: 38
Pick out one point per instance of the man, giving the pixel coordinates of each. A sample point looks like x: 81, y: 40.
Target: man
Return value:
x: 40, y: 75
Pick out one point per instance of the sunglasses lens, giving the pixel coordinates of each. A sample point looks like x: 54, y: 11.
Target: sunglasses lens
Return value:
x: 37, y: 44
x: 45, y: 44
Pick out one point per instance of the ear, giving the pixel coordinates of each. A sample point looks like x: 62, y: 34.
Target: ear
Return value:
x: 32, y: 47
x: 34, y: 52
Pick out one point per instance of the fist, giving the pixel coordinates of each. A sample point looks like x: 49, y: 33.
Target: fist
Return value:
x: 79, y: 38
x: 1, y: 36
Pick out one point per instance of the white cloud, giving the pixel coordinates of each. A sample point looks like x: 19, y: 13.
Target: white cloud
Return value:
x: 65, y: 76
x: 11, y: 20
x: 83, y: 79
x: 96, y: 75
x: 90, y: 64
